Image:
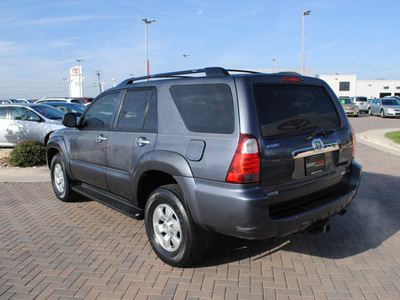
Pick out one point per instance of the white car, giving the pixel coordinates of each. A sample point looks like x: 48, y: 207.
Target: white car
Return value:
x: 385, y: 107
x: 20, y: 122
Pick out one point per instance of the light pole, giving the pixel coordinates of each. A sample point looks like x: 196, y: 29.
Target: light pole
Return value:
x: 80, y: 77
x: 147, y: 21
x: 305, y: 13
x: 113, y: 80
x: 98, y: 75
x: 184, y: 60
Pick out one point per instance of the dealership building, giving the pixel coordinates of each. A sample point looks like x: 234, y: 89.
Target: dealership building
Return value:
x: 349, y: 85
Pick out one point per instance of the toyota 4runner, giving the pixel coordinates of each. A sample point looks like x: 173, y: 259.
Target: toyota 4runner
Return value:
x: 210, y: 151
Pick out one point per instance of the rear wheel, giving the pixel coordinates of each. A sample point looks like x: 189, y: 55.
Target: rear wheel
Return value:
x: 170, y: 229
x: 60, y: 180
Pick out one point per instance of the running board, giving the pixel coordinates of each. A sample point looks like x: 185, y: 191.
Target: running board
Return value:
x: 120, y: 204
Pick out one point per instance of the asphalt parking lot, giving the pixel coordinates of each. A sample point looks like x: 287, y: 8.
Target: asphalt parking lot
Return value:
x: 85, y: 250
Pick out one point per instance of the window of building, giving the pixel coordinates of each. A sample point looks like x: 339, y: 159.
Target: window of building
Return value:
x: 344, y: 86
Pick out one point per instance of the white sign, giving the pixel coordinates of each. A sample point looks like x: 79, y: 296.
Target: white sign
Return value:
x: 75, y: 83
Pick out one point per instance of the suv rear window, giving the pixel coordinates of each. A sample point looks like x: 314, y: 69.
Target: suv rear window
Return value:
x: 205, y: 107
x: 288, y: 110
x: 361, y: 99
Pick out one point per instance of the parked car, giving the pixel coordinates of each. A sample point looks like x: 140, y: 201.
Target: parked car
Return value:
x: 19, y: 101
x: 350, y: 108
x: 5, y: 101
x: 67, y: 107
x: 20, y: 122
x: 248, y: 155
x: 384, y: 107
x: 361, y: 102
x: 71, y: 100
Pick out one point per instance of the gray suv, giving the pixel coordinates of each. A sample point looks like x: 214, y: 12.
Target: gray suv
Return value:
x: 211, y: 151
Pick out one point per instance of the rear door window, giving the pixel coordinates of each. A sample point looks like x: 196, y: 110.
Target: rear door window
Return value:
x: 288, y: 110
x: 139, y: 111
x: 205, y: 107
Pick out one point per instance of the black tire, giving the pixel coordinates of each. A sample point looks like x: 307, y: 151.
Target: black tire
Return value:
x: 370, y: 112
x: 60, y: 180
x: 170, y: 229
x: 383, y: 114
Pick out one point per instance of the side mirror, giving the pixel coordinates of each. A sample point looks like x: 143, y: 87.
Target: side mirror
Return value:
x: 69, y: 120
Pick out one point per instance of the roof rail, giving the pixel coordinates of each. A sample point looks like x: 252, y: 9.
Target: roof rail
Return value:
x: 209, y: 72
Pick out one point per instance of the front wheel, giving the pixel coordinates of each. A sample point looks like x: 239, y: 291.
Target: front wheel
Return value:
x: 171, y: 232
x: 370, y: 112
x: 383, y: 114
x: 60, y: 180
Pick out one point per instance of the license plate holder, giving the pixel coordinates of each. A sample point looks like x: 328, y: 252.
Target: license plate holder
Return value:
x: 314, y: 164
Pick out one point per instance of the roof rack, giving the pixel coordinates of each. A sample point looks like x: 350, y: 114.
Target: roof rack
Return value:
x: 209, y: 72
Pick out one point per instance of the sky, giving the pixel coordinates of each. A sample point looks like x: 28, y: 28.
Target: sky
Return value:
x: 41, y: 40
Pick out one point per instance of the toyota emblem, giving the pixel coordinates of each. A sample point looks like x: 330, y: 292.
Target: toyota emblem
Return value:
x: 317, y: 145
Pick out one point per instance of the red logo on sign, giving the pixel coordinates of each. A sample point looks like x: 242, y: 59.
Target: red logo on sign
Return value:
x: 75, y: 70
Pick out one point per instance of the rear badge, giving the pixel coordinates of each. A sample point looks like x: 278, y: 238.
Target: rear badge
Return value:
x: 272, y: 146
x: 317, y: 145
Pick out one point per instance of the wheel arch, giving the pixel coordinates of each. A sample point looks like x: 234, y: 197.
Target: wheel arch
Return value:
x: 157, y: 169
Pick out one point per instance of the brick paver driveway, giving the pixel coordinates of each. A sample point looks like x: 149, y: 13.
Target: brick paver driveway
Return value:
x: 55, y: 250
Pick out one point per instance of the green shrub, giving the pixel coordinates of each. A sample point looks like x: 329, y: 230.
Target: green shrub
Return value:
x: 28, y: 154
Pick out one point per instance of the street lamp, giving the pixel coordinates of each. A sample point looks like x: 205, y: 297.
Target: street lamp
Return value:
x: 98, y: 75
x: 305, y: 13
x: 80, y: 76
x: 184, y: 60
x: 147, y: 21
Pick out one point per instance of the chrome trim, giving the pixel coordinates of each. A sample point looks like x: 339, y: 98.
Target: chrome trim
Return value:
x: 299, y: 153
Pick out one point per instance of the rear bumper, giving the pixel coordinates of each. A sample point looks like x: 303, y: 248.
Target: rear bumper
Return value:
x: 231, y: 210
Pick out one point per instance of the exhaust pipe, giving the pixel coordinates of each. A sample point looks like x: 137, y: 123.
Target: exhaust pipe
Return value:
x: 322, y: 226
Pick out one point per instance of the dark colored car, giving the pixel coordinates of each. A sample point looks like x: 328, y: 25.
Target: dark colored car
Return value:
x: 242, y: 154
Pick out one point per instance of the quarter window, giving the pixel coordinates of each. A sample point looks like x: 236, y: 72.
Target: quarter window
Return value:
x: 206, y: 107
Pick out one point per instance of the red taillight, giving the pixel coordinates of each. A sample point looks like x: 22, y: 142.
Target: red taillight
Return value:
x: 354, y: 141
x: 291, y: 78
x: 245, y: 165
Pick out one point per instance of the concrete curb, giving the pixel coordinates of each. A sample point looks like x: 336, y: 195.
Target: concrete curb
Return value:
x: 376, y: 139
x: 36, y: 174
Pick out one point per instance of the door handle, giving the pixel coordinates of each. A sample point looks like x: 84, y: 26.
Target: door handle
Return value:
x: 101, y: 138
x: 142, y: 141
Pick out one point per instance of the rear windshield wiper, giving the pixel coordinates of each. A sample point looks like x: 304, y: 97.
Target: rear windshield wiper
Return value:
x: 323, y: 132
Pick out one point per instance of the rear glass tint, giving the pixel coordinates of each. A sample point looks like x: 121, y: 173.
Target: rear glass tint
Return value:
x: 287, y: 110
x: 361, y: 99
x: 205, y: 107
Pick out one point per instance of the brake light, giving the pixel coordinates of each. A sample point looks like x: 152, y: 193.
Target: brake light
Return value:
x: 245, y: 165
x: 291, y: 78
x: 354, y: 141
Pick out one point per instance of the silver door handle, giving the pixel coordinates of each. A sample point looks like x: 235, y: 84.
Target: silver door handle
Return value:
x: 142, y: 142
x: 101, y: 138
